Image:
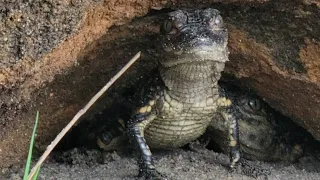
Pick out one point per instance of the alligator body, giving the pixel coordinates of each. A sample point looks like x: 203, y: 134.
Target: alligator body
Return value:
x: 177, y: 104
x: 260, y: 133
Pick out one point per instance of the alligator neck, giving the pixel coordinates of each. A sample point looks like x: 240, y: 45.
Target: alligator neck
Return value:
x: 191, y: 82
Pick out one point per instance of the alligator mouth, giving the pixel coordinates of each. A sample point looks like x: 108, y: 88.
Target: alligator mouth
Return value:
x: 198, y: 55
x: 186, y: 61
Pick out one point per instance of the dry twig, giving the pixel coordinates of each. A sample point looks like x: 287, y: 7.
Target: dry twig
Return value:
x: 79, y: 114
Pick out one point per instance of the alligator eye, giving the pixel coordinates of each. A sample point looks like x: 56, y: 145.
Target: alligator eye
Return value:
x: 254, y: 104
x: 167, y: 27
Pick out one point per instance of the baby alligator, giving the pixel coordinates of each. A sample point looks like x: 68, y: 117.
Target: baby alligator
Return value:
x: 178, y: 103
x: 262, y: 137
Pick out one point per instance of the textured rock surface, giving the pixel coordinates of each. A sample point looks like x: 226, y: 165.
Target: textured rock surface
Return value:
x: 274, y: 49
x: 41, y: 40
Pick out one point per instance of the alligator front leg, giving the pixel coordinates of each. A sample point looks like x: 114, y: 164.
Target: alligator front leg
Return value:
x: 236, y: 162
x: 229, y: 113
x: 232, y: 117
x: 234, y: 141
x: 137, y: 125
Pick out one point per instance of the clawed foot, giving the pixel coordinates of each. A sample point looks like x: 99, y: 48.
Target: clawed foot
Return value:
x: 249, y: 169
x: 151, y: 174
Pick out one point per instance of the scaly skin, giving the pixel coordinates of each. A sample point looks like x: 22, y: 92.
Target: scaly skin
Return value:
x: 260, y: 137
x: 178, y: 108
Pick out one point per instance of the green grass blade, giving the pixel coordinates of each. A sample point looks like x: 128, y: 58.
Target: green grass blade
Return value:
x: 27, y: 169
x: 36, y: 174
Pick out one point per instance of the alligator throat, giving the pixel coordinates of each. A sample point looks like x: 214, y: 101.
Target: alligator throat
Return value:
x: 192, y: 82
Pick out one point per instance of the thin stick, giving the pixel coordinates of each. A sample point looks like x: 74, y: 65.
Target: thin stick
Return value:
x: 79, y: 114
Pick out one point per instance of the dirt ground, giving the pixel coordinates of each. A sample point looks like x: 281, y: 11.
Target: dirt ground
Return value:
x: 176, y: 164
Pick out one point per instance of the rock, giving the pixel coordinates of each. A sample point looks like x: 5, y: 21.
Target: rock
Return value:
x: 275, y: 50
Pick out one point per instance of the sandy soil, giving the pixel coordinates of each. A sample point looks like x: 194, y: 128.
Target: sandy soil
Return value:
x: 176, y: 164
